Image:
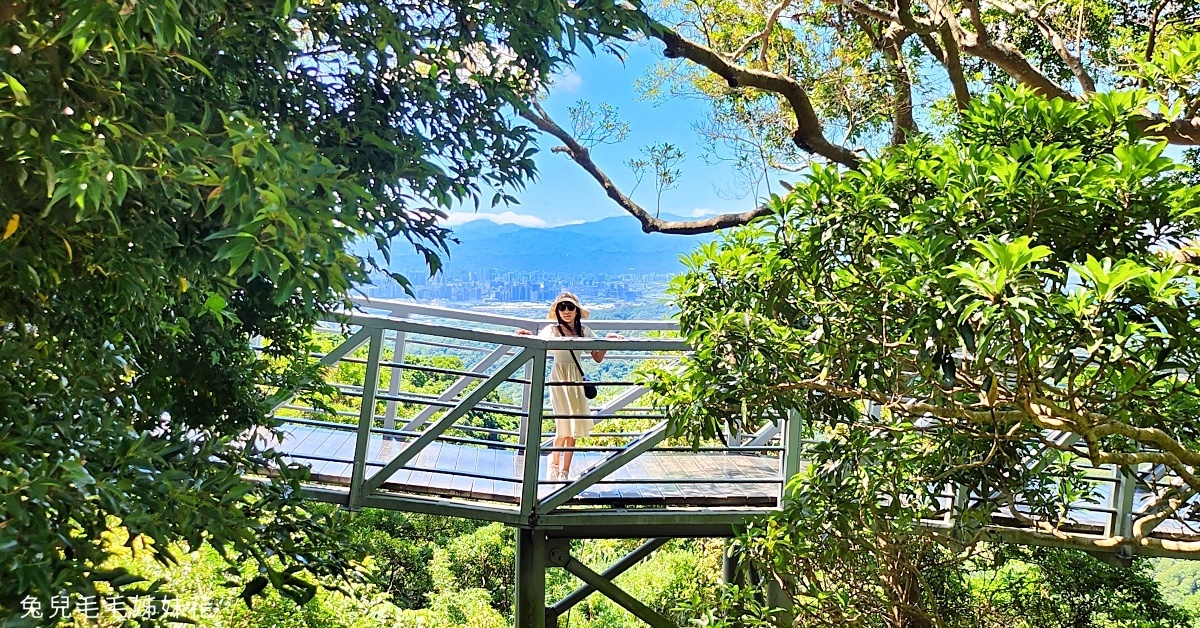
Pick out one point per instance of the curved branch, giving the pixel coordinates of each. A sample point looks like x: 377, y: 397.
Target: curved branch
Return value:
x: 954, y: 68
x: 1152, y: 36
x: 1055, y: 40
x: 764, y: 37
x: 904, y: 123
x: 809, y: 135
x: 868, y: 10
x: 1004, y: 56
x: 650, y: 223
x: 1183, y: 132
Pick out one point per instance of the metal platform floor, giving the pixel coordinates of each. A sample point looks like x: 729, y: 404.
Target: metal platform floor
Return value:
x: 494, y: 474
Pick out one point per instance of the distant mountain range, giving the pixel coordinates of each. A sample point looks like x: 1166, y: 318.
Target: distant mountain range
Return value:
x: 609, y: 246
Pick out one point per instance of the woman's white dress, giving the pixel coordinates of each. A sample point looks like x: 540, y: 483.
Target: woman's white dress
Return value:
x: 568, y: 399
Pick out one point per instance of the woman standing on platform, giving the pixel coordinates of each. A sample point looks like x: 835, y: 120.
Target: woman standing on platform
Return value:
x: 572, y: 419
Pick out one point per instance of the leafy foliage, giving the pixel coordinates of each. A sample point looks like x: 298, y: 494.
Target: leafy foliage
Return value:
x: 180, y: 177
x: 974, y: 295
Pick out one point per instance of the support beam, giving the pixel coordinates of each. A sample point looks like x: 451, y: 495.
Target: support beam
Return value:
x: 530, y: 605
x: 777, y: 598
x: 765, y: 434
x: 532, y: 437
x: 1122, y: 502
x: 630, y: 395
x: 729, y: 564
x: 617, y: 568
x: 443, y: 424
x: 526, y: 393
x: 561, y: 557
x: 791, y: 459
x: 397, y: 376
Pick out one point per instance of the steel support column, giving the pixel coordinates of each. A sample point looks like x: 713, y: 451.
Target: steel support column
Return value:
x: 729, y: 564
x: 530, y: 606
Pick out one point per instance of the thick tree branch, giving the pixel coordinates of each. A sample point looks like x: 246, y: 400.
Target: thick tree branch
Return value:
x: 911, y: 22
x: 809, y: 134
x: 1152, y: 35
x: 650, y: 223
x: 903, y: 121
x: 890, y: 42
x: 1055, y: 40
x: 1184, y: 131
x: 954, y: 69
x: 1002, y: 55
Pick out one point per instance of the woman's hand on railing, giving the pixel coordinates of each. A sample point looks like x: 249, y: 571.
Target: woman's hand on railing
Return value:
x: 598, y: 355
x: 524, y: 332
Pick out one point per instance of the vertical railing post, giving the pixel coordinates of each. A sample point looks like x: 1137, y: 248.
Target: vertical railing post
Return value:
x: 366, y: 417
x: 958, y: 502
x: 533, y: 435
x: 789, y: 458
x: 526, y: 395
x: 397, y: 376
x: 529, y: 607
x: 1122, y: 503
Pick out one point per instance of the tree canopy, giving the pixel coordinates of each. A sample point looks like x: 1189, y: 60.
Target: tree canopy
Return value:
x: 797, y: 82
x: 177, y: 178
x: 979, y: 312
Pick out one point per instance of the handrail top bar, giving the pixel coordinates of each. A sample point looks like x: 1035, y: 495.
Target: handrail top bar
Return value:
x: 403, y: 307
x: 506, y: 338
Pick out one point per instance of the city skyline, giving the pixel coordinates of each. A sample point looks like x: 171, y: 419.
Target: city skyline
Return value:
x: 493, y: 285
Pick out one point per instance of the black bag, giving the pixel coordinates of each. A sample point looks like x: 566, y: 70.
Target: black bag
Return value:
x: 589, y: 389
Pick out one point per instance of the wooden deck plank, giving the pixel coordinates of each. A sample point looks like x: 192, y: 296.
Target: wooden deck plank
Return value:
x: 655, y: 469
x: 308, y: 444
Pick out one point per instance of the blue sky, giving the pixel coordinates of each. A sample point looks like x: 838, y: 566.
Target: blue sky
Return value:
x: 564, y: 193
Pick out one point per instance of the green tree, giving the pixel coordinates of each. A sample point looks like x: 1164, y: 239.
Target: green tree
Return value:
x: 176, y: 178
x: 1055, y: 588
x: 792, y: 83
x: 1014, y: 280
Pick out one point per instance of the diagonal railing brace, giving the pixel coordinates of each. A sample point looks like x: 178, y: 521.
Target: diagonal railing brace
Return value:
x: 560, y: 556
x: 346, y: 348
x: 466, y: 405
x: 561, y: 607
x: 622, y: 458
x: 423, y: 416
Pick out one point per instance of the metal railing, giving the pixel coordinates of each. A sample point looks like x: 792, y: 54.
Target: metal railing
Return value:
x: 446, y: 411
x: 426, y: 402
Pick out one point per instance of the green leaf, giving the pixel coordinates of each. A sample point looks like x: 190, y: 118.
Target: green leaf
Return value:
x: 17, y: 88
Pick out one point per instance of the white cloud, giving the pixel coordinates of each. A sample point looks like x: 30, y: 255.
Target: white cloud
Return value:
x: 569, y: 82
x: 504, y: 218
x: 704, y: 211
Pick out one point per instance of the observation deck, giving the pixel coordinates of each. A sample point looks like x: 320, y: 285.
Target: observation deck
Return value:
x: 443, y: 411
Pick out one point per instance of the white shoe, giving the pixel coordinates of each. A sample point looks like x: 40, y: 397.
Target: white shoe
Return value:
x: 562, y: 476
x: 552, y: 472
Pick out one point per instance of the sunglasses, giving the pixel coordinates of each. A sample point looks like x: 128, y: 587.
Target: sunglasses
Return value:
x: 565, y: 307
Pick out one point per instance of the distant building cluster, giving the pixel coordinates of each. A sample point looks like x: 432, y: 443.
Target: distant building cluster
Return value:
x: 495, y: 286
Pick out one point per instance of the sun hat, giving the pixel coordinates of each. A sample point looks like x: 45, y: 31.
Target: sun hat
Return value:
x: 569, y: 298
